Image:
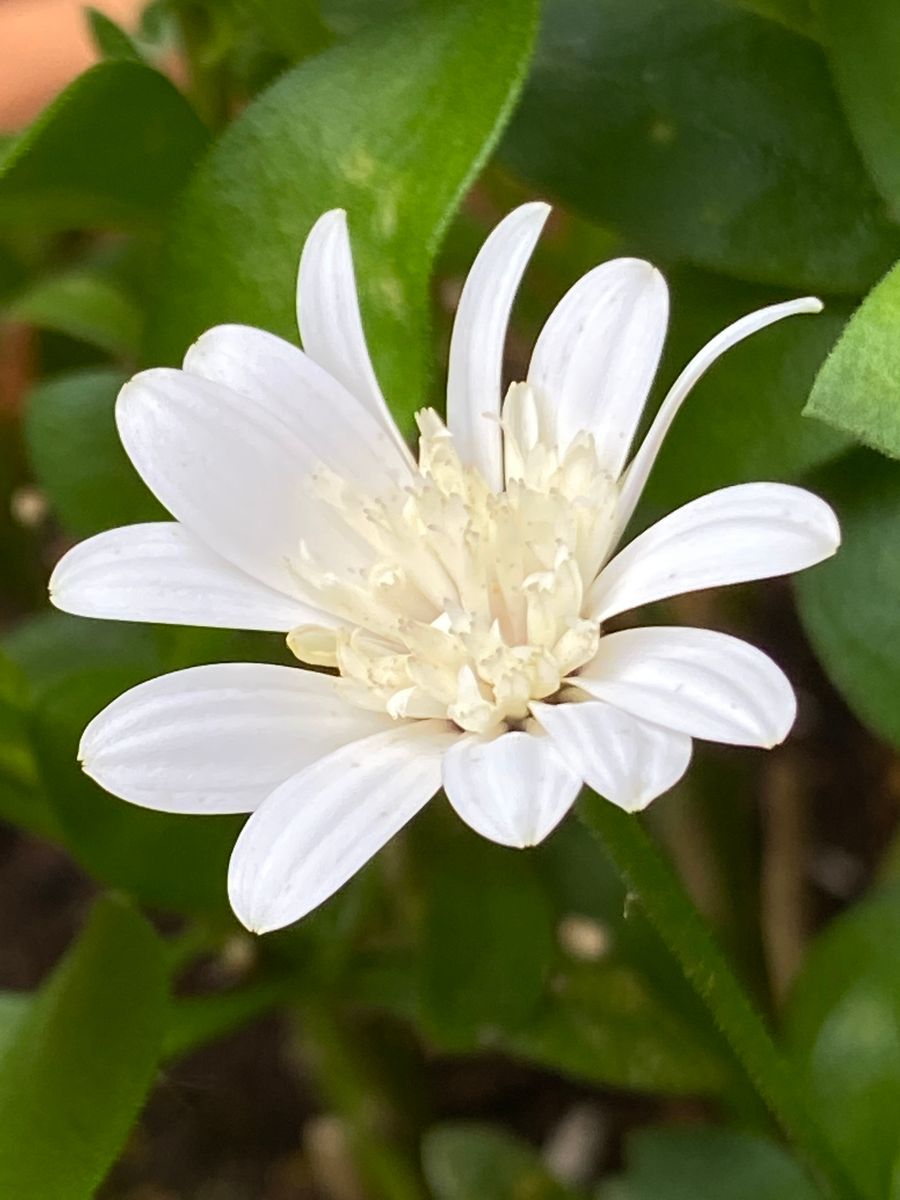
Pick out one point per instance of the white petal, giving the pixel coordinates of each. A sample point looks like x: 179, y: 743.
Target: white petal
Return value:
x: 475, y: 369
x: 218, y: 739
x: 595, y: 359
x: 639, y: 469
x: 513, y: 789
x: 751, y: 531
x: 160, y: 572
x: 624, y: 759
x: 329, y: 319
x: 705, y: 684
x: 237, y: 473
x: 320, y: 827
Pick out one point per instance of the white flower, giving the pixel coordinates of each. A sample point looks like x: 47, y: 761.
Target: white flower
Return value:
x: 461, y: 600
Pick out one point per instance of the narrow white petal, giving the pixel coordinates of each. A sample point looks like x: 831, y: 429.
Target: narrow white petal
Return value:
x: 513, y: 789
x: 624, y: 759
x: 475, y: 369
x: 639, y: 469
x: 218, y: 739
x: 237, y: 473
x: 704, y: 684
x: 160, y: 572
x: 329, y: 318
x: 750, y: 531
x: 320, y: 827
x: 594, y: 362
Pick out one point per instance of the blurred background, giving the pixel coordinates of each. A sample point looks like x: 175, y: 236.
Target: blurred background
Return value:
x: 462, y: 1021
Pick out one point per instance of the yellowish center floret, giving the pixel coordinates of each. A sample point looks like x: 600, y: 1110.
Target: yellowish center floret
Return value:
x: 465, y: 603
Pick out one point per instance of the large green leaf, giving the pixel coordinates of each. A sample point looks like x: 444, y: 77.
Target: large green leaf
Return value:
x: 81, y: 1060
x: 709, y: 134
x: 844, y: 1023
x: 468, y: 1161
x: 686, y: 1164
x: 850, y: 606
x: 392, y: 126
x: 858, y: 388
x: 77, y: 457
x: 114, y: 149
x: 863, y: 44
x: 84, y: 305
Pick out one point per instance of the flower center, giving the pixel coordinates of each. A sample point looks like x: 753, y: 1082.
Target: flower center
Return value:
x: 462, y: 602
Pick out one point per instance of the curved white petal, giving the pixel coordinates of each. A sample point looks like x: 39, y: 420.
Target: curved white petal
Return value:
x: 595, y: 359
x: 237, y: 474
x: 705, y: 684
x: 320, y: 827
x: 160, y: 572
x: 624, y: 759
x: 639, y: 469
x: 475, y: 368
x: 329, y: 318
x: 513, y: 789
x: 218, y: 739
x: 750, y: 531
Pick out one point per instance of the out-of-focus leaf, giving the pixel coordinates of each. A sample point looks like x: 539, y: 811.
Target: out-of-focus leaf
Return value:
x: 294, y: 28
x: 743, y: 419
x: 110, y: 39
x: 709, y: 134
x: 13, y: 1008
x: 114, y: 149
x: 391, y: 125
x: 77, y: 457
x: 21, y: 801
x: 850, y: 606
x: 863, y: 44
x: 797, y: 15
x: 479, y: 895
x: 599, y: 1023
x: 84, y: 306
x: 858, y: 388
x: 686, y: 1164
x: 468, y: 1161
x: 844, y: 1023
x: 196, y: 1020
x: 81, y: 1060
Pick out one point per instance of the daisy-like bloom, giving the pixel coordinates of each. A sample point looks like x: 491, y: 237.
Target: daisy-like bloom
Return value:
x: 458, y: 603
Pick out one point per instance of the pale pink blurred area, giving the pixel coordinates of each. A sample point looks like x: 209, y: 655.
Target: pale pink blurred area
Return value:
x: 43, y: 45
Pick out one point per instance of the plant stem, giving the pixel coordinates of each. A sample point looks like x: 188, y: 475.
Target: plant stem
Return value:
x: 672, y: 913
x: 350, y: 1086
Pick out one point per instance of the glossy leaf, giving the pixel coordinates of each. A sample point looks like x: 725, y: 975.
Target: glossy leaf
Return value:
x: 850, y: 606
x: 82, y: 305
x: 114, y: 149
x: 468, y: 1161
x: 858, y: 387
x: 110, y: 39
x: 844, y: 1022
x: 684, y: 1164
x: 81, y: 1060
x: 708, y: 134
x: 392, y: 126
x: 863, y: 44
x: 77, y: 457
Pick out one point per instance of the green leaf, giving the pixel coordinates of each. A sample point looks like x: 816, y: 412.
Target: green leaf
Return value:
x: 850, y: 606
x: 21, y: 800
x: 863, y: 44
x: 479, y: 895
x: 110, y: 39
x: 392, y: 125
x: 685, y: 1164
x: 743, y: 419
x: 709, y: 134
x: 858, y: 387
x: 114, y: 149
x: 195, y: 1021
x: 844, y: 1022
x: 82, y: 305
x: 600, y: 1024
x: 81, y: 1060
x: 76, y: 455
x: 468, y: 1161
